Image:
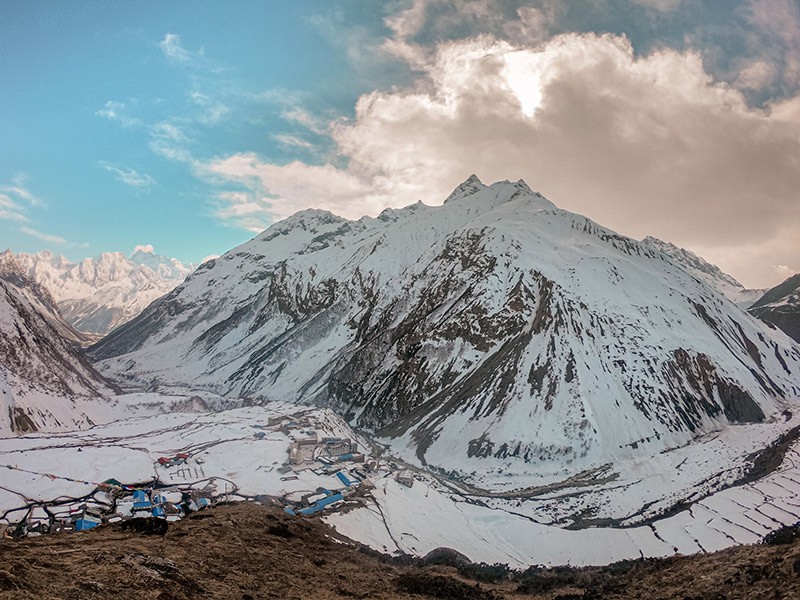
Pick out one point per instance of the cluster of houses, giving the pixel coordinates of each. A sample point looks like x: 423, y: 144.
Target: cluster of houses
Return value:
x: 337, y: 457
x: 118, y: 503
x: 309, y: 450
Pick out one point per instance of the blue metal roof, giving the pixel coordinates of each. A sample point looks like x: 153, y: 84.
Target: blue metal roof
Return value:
x: 321, y: 504
x: 343, y: 478
x: 85, y: 524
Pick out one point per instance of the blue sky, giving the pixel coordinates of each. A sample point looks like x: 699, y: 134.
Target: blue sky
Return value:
x: 87, y: 84
x: 192, y: 125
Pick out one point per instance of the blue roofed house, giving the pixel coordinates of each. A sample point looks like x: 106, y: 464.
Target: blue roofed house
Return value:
x: 141, y: 502
x: 87, y: 522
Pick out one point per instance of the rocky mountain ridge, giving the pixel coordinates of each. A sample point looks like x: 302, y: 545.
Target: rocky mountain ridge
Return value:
x: 780, y: 306
x: 708, y: 273
x: 12, y: 272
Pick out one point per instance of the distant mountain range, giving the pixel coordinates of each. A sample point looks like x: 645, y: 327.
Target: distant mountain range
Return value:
x: 496, y: 328
x: 98, y: 294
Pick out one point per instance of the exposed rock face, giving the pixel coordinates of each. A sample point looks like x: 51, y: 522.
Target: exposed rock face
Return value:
x: 493, y: 328
x: 98, y: 294
x: 780, y: 306
x: 44, y: 381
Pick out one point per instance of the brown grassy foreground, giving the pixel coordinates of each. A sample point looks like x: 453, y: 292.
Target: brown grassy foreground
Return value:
x: 246, y: 551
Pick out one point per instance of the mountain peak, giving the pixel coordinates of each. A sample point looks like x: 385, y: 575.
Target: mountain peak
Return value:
x: 469, y: 332
x: 471, y: 185
x: 96, y: 294
x: 309, y: 219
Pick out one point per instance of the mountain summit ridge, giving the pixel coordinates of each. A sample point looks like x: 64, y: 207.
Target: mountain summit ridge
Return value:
x: 502, y: 330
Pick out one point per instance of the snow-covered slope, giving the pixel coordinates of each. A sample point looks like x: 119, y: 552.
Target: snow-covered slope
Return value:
x: 45, y: 384
x: 781, y: 307
x: 494, y: 332
x: 98, y: 294
x: 707, y: 273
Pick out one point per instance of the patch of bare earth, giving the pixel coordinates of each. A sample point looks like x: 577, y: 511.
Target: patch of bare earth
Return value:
x: 246, y: 551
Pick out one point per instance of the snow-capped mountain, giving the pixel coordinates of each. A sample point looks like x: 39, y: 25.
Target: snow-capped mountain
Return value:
x: 781, y: 307
x: 495, y: 329
x: 41, y: 299
x: 707, y: 273
x: 45, y: 384
x: 98, y: 294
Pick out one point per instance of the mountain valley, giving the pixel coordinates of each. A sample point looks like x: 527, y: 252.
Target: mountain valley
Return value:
x: 500, y: 372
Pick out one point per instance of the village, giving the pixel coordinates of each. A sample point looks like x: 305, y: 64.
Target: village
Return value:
x: 320, y: 472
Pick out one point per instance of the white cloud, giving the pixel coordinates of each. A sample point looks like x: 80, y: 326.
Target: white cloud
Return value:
x: 118, y: 111
x: 52, y: 239
x: 302, y: 117
x: 10, y: 210
x: 783, y: 272
x: 12, y: 215
x: 174, y: 51
x: 776, y: 35
x: 408, y: 23
x: 533, y: 24
x: 45, y: 237
x: 756, y: 75
x: 146, y: 248
x: 129, y: 177
x: 21, y: 193
x: 6, y: 202
x: 660, y: 5
x: 292, y: 141
x: 644, y: 144
x: 786, y: 110
x: 24, y: 194
x: 248, y: 211
x: 15, y: 199
x: 168, y: 131
x: 168, y: 140
x: 213, y: 110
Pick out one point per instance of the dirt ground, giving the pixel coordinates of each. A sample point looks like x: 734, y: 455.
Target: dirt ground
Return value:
x: 245, y: 552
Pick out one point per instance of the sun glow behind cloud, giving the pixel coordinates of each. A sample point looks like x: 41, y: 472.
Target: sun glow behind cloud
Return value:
x: 649, y: 145
x: 670, y: 118
x: 523, y: 75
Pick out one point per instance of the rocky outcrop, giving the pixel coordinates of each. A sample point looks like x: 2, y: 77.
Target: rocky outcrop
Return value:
x: 780, y: 307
